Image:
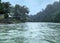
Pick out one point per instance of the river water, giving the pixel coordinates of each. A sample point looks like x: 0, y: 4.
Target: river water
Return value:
x: 30, y: 33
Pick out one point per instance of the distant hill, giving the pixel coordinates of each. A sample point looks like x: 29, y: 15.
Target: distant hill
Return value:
x: 50, y: 14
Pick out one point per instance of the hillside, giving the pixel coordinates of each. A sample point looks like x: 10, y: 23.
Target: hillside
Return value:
x: 50, y: 14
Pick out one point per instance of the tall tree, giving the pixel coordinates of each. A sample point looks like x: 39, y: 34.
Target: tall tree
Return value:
x: 21, y: 12
x: 6, y: 8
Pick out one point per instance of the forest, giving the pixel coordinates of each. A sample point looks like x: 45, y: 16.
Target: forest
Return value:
x: 50, y: 14
x: 18, y: 13
x: 12, y: 14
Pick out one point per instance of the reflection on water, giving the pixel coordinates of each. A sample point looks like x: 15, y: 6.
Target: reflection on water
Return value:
x: 30, y: 33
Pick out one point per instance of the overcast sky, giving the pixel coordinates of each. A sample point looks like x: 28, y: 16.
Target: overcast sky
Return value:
x: 33, y: 5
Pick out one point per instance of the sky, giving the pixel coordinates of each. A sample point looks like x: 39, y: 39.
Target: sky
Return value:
x: 34, y: 5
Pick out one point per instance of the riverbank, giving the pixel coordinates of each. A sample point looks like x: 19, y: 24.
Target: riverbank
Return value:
x: 14, y: 21
x: 7, y: 21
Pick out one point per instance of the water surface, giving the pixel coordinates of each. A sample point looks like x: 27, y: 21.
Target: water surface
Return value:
x: 30, y: 33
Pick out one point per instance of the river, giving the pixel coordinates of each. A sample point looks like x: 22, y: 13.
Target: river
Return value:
x: 30, y: 32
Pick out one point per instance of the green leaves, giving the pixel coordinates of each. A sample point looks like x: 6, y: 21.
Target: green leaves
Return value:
x: 20, y: 12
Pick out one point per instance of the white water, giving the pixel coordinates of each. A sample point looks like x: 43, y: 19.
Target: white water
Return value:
x: 30, y: 33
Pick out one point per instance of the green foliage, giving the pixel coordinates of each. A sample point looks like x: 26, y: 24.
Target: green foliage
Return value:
x: 17, y: 12
x: 4, y: 7
x: 6, y: 16
x: 57, y: 17
x: 20, y: 12
x: 1, y: 8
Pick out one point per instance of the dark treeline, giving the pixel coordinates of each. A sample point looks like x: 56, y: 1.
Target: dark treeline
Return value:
x: 11, y: 13
x: 50, y: 14
x: 18, y: 13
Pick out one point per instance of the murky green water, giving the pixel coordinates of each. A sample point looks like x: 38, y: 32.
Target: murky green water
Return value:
x: 30, y: 33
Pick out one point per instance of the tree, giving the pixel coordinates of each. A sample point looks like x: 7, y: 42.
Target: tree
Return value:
x: 1, y: 8
x: 20, y: 12
x: 6, y: 8
x: 57, y: 17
